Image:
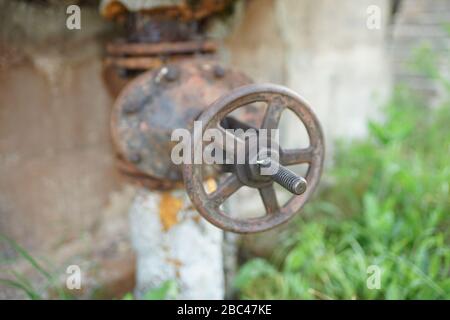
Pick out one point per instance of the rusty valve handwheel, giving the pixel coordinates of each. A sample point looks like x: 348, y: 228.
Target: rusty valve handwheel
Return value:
x: 277, y: 98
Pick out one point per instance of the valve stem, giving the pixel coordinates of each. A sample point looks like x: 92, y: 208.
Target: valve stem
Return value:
x: 286, y: 178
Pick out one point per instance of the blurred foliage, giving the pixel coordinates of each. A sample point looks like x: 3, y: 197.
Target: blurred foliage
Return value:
x: 166, y: 291
x: 52, y: 288
x: 19, y: 281
x: 388, y: 205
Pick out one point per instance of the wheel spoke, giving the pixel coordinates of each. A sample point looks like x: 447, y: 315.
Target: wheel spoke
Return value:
x: 233, y: 123
x: 231, y: 144
x: 225, y: 189
x: 269, y: 199
x: 296, y: 156
x: 273, y: 114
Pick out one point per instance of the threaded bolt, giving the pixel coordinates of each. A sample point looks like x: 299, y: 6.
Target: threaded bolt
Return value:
x: 290, y: 180
x: 286, y: 178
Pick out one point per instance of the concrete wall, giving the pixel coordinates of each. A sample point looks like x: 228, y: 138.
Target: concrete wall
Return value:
x: 323, y: 50
x: 59, y: 190
x: 420, y: 23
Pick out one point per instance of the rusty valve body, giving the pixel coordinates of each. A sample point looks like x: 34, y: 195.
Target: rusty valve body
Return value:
x: 157, y: 102
x: 165, y: 77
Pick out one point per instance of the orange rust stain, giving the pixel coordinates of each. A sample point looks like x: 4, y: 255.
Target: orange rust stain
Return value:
x: 211, y: 185
x: 183, y: 10
x: 196, y: 218
x: 169, y: 207
x: 113, y: 9
x: 176, y: 262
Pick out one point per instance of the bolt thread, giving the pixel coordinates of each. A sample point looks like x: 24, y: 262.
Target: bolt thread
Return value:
x: 289, y: 180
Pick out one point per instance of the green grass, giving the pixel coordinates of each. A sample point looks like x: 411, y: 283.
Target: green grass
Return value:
x: 388, y: 205
x: 20, y: 282
x: 54, y: 290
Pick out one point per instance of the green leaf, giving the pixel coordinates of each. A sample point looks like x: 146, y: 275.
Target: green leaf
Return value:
x: 167, y: 290
x: 253, y: 269
x: 128, y: 296
x: 18, y: 285
x: 24, y: 253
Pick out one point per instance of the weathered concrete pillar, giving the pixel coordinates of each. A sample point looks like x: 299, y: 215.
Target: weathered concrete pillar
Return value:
x: 173, y: 242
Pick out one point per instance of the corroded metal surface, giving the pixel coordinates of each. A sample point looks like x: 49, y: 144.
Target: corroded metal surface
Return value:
x: 157, y: 102
x: 277, y: 98
x: 184, y: 9
x: 133, y: 63
x: 123, y: 57
x: 161, y: 48
x: 150, y: 41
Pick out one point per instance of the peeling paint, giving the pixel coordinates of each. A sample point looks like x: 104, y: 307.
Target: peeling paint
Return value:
x: 178, y: 254
x: 169, y: 207
x: 176, y: 262
x: 112, y: 9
